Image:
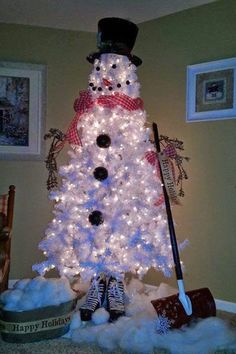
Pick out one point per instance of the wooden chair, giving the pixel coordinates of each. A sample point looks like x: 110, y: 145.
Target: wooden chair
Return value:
x: 6, y: 222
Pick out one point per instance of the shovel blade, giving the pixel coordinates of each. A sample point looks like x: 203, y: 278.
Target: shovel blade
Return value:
x: 203, y: 306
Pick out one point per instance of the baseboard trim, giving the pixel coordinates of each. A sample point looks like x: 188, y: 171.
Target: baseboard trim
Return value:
x: 12, y: 282
x: 225, y: 306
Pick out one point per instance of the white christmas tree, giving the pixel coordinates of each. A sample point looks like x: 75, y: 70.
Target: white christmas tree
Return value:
x: 108, y: 213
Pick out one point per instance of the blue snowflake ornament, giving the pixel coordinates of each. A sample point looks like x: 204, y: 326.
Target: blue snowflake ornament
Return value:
x: 163, y: 324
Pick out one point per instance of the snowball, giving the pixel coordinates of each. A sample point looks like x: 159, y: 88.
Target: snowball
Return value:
x: 35, y: 283
x: 100, y: 316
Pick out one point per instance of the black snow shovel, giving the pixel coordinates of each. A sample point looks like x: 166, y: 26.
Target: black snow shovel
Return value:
x: 180, y: 309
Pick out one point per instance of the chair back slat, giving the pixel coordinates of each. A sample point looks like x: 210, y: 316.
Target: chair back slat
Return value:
x: 6, y: 213
x: 10, y: 206
x: 3, y: 204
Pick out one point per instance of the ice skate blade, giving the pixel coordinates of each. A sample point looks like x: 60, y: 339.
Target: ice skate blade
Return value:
x: 85, y: 315
x: 114, y: 315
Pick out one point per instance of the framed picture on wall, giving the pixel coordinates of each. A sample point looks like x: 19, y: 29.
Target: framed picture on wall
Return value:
x: 211, y: 91
x: 22, y: 110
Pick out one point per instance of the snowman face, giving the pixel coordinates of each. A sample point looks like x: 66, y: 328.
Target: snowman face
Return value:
x: 113, y: 73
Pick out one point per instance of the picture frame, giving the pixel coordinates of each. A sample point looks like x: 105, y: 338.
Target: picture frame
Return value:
x: 211, y: 91
x: 22, y: 110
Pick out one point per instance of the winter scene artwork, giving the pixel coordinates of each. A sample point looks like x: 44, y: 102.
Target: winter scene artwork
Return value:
x: 22, y: 110
x: 110, y: 219
x: 14, y: 110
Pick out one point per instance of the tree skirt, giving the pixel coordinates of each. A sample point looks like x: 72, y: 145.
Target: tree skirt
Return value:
x: 137, y: 331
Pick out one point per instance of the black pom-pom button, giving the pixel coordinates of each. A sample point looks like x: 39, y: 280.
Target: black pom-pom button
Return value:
x: 100, y: 173
x: 96, y: 218
x: 103, y: 141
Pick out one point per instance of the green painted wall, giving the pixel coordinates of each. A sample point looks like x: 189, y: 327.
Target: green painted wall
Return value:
x: 207, y: 215
x: 64, y: 53
x: 167, y: 46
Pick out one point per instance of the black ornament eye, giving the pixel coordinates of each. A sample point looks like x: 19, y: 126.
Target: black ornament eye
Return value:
x: 110, y: 88
x: 99, y: 89
x: 119, y: 85
x: 91, y: 84
x: 97, y: 68
x: 127, y: 82
x: 100, y: 173
x: 96, y: 218
x: 114, y: 66
x: 103, y: 141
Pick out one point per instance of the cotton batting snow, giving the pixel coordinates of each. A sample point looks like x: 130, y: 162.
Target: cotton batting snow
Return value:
x: 28, y: 294
x: 136, y: 332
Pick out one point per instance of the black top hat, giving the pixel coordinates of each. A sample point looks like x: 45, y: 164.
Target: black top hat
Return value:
x: 116, y: 35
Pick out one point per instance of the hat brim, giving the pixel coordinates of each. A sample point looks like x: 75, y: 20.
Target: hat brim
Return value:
x: 133, y: 58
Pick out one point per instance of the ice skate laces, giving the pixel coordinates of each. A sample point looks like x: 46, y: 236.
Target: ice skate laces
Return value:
x: 95, y: 294
x: 116, y: 295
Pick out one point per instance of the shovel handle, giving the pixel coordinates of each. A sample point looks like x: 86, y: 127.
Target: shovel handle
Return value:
x: 174, y: 245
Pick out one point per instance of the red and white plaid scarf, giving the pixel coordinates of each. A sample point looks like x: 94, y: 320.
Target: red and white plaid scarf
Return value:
x: 85, y: 101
